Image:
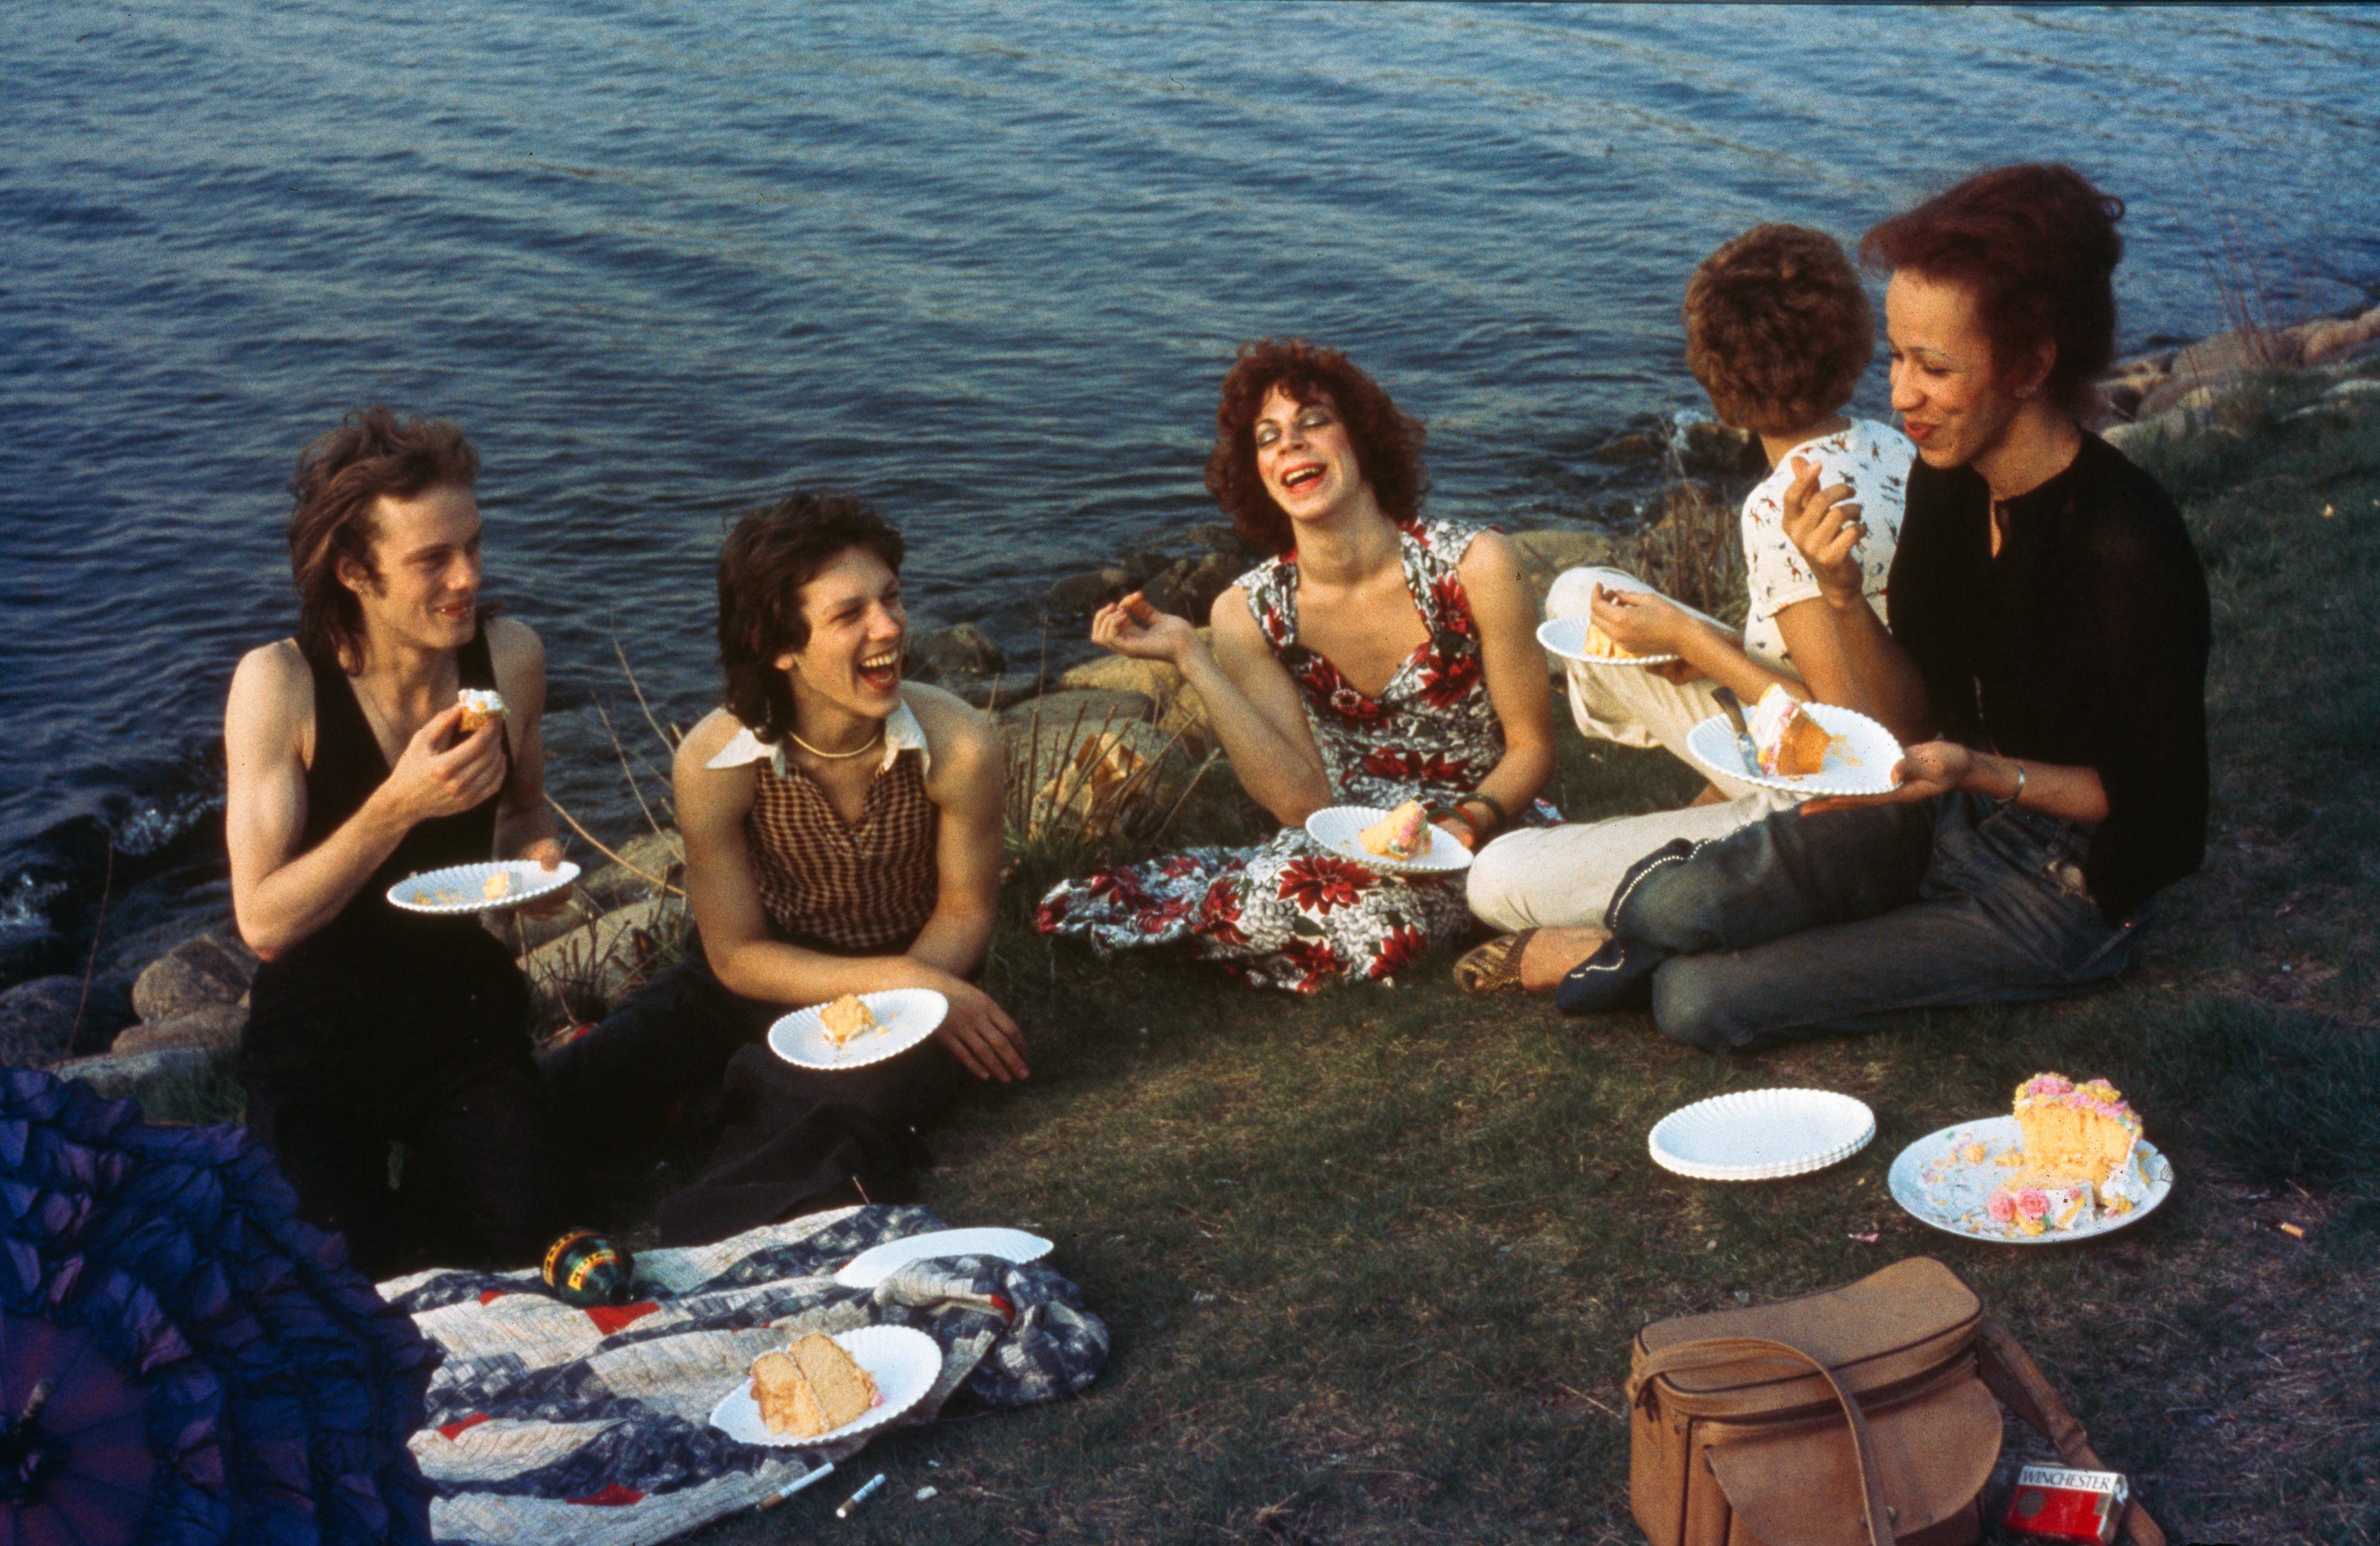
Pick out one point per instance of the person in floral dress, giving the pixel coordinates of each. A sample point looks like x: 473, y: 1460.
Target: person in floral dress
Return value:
x: 1378, y: 658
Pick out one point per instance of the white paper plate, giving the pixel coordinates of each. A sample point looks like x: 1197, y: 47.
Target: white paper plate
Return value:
x: 1566, y: 637
x: 905, y: 1016
x: 1859, y: 762
x: 1761, y: 1135
x: 462, y: 888
x: 1938, y: 1188
x: 872, y: 1267
x: 904, y: 1363
x: 1335, y: 828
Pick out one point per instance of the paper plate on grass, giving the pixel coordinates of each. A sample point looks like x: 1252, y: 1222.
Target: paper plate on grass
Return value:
x: 478, y: 888
x: 872, y: 1267
x: 1859, y: 762
x: 904, y: 1363
x: 1943, y: 1181
x: 1566, y: 637
x: 1761, y: 1135
x: 1335, y: 828
x: 905, y: 1016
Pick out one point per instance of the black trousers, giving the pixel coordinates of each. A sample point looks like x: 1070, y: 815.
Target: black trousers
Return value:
x: 789, y: 1140
x: 478, y: 1183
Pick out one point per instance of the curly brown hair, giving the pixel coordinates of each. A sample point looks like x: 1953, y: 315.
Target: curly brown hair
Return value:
x: 2036, y: 246
x: 1778, y: 328
x: 340, y: 479
x: 1388, y: 441
x: 763, y: 565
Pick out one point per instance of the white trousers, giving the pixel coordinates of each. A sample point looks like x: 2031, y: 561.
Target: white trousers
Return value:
x: 1563, y: 876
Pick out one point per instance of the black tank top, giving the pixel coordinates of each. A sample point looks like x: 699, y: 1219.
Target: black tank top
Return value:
x: 376, y: 986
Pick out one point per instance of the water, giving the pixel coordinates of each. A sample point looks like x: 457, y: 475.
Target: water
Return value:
x: 984, y: 265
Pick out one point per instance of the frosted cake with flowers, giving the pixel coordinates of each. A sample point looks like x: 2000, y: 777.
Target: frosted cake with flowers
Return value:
x: 2075, y: 1158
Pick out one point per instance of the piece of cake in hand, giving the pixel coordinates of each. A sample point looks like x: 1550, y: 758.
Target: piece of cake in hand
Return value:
x: 2077, y: 1144
x: 1791, y: 744
x: 844, y: 1018
x: 810, y: 1388
x: 481, y: 706
x: 498, y: 886
x: 1403, y: 833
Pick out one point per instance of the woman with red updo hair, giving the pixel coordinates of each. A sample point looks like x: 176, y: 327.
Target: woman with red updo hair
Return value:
x: 1378, y: 658
x: 2044, y: 667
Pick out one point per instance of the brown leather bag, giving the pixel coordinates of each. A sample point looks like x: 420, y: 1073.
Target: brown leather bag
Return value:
x: 1868, y: 1415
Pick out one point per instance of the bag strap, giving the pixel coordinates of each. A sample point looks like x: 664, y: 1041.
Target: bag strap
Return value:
x: 2009, y: 1373
x: 1712, y: 1352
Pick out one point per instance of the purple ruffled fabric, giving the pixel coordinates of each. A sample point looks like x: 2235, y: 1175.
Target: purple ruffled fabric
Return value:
x: 274, y: 1389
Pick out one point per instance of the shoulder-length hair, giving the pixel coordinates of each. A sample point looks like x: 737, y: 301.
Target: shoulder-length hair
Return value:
x: 767, y: 560
x: 340, y: 479
x: 2036, y: 246
x: 1388, y: 441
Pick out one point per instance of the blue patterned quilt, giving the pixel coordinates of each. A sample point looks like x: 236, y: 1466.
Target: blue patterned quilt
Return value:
x: 549, y: 1424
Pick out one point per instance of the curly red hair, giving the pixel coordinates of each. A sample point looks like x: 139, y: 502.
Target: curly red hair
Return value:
x: 1777, y: 329
x: 2036, y: 246
x: 1388, y: 441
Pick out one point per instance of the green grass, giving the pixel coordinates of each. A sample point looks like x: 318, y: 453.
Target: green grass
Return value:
x: 1372, y: 1261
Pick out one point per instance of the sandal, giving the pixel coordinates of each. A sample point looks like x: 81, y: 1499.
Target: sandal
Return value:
x: 1494, y: 967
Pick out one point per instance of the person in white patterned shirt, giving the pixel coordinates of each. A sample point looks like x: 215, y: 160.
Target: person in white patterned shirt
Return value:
x: 1779, y: 332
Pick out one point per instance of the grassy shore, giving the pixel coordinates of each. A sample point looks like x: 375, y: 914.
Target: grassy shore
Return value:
x: 1372, y: 1260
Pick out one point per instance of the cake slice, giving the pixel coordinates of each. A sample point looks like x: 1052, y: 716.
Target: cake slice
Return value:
x: 2075, y: 1156
x: 1403, y: 833
x: 480, y: 706
x: 1791, y: 744
x: 1602, y: 646
x: 810, y: 1388
x: 844, y: 1018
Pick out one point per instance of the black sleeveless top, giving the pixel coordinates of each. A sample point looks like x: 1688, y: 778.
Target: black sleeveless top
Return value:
x: 377, y: 993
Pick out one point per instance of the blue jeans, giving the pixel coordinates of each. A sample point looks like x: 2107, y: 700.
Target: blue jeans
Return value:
x: 1847, y: 920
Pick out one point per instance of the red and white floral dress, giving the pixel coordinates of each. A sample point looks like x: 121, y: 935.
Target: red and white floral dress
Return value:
x: 1291, y: 914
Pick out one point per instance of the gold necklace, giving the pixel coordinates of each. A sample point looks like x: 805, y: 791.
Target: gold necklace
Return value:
x: 835, y: 756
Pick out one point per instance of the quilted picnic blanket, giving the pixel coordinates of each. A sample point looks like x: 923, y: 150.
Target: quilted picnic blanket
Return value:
x: 549, y: 1424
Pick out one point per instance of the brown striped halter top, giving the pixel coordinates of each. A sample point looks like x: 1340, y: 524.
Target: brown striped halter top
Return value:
x: 861, y: 889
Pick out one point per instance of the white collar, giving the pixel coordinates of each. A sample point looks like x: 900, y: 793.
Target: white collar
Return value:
x: 902, y: 733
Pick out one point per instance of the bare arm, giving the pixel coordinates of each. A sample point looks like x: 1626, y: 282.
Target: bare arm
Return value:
x: 1929, y: 767
x: 278, y: 895
x: 969, y: 787
x: 1250, y: 700
x: 524, y: 823
x: 1514, y: 667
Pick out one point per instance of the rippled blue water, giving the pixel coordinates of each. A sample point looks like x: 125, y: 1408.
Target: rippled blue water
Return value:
x: 983, y: 264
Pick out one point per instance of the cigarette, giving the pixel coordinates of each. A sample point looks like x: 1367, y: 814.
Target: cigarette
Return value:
x: 861, y: 1496
x: 2293, y: 1232
x: 789, y: 1489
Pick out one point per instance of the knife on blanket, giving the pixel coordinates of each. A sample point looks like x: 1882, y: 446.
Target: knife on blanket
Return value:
x: 1733, y: 708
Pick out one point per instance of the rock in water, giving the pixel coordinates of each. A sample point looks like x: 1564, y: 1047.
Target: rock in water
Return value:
x: 38, y: 1019
x: 1721, y: 450
x: 211, y: 969
x: 961, y: 651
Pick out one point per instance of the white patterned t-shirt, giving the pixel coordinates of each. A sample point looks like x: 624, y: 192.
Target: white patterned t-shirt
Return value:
x: 1874, y: 460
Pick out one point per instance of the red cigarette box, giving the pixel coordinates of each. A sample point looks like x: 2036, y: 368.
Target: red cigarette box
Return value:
x: 2055, y: 1504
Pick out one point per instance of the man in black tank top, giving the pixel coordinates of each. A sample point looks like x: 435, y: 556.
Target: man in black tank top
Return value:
x: 349, y: 771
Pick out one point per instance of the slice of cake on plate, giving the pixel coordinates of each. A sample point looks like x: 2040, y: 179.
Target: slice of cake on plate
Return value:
x: 1602, y: 646
x: 812, y: 1387
x: 2078, y: 1144
x: 1403, y: 833
x: 844, y: 1018
x: 1791, y: 744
